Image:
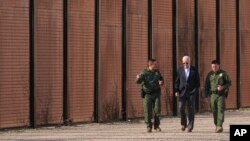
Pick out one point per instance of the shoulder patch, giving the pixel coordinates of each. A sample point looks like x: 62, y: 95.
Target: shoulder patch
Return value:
x: 221, y: 74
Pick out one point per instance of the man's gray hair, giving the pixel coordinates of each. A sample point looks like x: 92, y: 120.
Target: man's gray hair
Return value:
x: 186, y: 58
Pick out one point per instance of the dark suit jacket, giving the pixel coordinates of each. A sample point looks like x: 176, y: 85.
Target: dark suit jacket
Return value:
x: 189, y: 86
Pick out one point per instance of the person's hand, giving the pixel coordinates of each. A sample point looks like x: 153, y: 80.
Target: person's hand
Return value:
x: 138, y: 76
x: 177, y: 94
x: 220, y: 88
x: 160, y: 82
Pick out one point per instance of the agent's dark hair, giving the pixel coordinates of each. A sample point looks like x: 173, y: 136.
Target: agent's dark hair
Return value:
x: 151, y: 61
x: 216, y: 62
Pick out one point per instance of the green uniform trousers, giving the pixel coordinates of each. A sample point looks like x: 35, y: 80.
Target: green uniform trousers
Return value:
x: 152, y: 102
x: 218, y: 108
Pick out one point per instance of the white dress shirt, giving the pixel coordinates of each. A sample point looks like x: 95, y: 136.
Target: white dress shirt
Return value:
x: 187, y: 70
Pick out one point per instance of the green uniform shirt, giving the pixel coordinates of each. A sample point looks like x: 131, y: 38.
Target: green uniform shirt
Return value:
x: 217, y: 78
x: 150, y: 80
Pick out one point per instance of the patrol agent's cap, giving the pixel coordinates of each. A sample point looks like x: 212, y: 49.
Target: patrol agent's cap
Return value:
x: 215, y: 62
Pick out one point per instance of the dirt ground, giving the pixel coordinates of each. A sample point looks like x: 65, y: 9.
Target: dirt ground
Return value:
x: 132, y: 130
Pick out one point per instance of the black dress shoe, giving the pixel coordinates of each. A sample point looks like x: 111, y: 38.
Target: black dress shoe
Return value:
x: 183, y: 128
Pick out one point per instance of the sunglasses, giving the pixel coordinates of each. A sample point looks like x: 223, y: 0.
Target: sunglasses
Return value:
x: 185, y: 63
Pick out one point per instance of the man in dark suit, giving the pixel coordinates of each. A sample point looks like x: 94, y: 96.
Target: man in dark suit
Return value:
x: 187, y: 85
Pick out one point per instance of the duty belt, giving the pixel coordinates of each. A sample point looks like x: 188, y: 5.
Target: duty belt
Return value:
x: 154, y: 91
x: 215, y: 92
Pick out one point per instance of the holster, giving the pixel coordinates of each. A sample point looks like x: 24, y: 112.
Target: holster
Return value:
x: 142, y: 93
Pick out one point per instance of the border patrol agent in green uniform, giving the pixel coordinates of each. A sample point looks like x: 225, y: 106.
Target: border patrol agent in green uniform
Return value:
x: 217, y: 86
x: 151, y: 80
